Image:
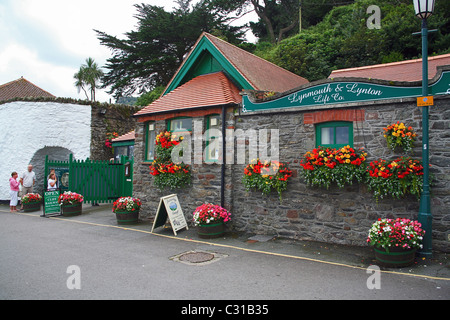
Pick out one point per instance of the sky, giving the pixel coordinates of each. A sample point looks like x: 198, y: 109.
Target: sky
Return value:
x: 46, y: 41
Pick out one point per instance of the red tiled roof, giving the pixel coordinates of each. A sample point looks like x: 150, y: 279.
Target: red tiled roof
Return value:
x: 125, y: 137
x: 213, y: 89
x: 261, y: 74
x: 21, y: 88
x: 409, y: 70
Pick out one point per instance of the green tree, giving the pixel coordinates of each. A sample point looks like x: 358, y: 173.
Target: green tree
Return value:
x: 342, y: 39
x: 147, y: 98
x: 276, y: 17
x: 88, y: 77
x: 149, y: 56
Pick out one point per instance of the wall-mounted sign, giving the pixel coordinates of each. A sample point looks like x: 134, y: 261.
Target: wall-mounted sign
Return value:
x: 425, y: 101
x: 332, y: 92
x: 169, y: 207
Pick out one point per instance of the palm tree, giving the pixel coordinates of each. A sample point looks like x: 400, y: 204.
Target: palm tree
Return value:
x: 88, y: 75
x: 79, y: 83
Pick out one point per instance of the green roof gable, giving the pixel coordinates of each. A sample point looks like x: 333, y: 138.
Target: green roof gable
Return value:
x: 203, y: 59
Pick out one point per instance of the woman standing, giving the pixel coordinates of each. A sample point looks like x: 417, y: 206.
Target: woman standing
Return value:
x: 51, y: 184
x: 14, y: 189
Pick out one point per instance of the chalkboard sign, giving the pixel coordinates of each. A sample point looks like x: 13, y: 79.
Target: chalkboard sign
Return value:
x: 169, y: 207
x: 51, y: 204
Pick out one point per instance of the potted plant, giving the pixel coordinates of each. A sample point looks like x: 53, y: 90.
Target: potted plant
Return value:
x: 266, y: 176
x: 127, y: 210
x: 31, y: 202
x: 395, y: 241
x: 398, y: 135
x: 210, y: 220
x: 71, y: 203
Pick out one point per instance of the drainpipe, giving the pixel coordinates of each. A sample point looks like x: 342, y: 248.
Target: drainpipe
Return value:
x: 222, y: 182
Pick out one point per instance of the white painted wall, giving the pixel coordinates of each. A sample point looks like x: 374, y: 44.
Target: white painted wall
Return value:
x: 26, y: 127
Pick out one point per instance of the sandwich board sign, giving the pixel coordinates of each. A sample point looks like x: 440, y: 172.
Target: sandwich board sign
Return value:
x: 51, y: 205
x: 169, y: 207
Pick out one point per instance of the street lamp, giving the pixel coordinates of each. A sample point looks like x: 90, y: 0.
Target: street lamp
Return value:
x: 424, y: 9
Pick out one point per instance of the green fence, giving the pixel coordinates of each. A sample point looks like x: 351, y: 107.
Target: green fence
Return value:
x: 97, y: 181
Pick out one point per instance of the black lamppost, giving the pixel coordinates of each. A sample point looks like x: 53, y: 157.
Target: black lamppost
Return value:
x: 424, y: 9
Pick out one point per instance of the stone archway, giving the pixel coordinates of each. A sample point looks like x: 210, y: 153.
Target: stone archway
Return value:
x: 38, y: 162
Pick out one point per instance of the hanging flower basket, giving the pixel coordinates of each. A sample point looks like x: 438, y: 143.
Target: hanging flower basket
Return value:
x: 323, y: 166
x: 397, y: 135
x: 266, y: 176
x: 168, y: 174
x: 395, y: 178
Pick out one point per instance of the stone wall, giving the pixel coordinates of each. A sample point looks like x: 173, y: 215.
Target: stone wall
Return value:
x: 108, y: 118
x: 205, y: 180
x: 336, y: 215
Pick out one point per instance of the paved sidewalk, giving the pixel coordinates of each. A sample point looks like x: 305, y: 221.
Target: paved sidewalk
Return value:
x: 437, y: 267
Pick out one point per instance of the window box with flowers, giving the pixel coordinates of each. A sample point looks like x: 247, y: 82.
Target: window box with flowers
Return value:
x: 168, y: 174
x: 210, y: 220
x: 395, y: 178
x: 395, y: 241
x: 31, y: 202
x: 71, y: 203
x: 323, y: 166
x: 266, y: 176
x: 127, y: 210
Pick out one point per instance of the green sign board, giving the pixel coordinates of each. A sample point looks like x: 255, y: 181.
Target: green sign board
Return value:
x: 332, y: 92
x: 51, y: 204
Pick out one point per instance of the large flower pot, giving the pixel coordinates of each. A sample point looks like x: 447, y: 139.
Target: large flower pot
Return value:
x: 209, y: 231
x: 396, y: 257
x: 32, y: 206
x: 127, y: 217
x: 69, y: 210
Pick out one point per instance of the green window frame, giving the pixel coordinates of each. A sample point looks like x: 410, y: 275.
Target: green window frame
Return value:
x: 150, y: 137
x: 335, y: 134
x: 181, y: 124
x: 212, y: 147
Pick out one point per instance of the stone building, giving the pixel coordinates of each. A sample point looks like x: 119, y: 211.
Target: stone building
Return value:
x: 221, y: 86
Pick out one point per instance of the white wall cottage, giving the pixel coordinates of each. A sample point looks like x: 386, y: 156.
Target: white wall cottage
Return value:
x: 31, y: 130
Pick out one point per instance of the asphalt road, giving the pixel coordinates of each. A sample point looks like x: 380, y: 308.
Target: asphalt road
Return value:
x: 42, y: 258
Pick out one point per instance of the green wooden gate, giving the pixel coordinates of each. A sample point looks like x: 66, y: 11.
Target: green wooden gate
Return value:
x: 97, y: 181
